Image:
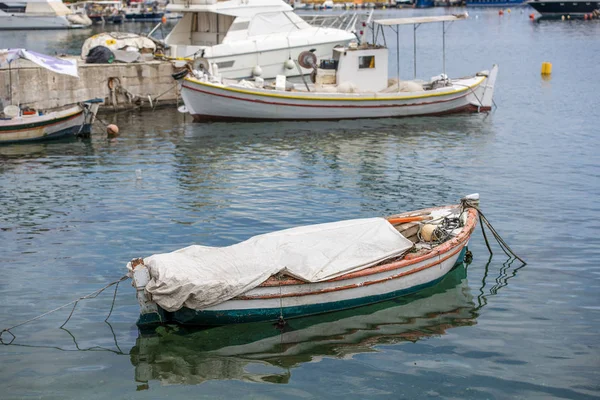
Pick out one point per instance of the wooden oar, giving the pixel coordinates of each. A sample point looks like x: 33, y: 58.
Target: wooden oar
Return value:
x: 403, y: 220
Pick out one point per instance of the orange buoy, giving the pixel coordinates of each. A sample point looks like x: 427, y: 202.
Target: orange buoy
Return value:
x: 112, y: 129
x: 531, y: 16
x: 164, y: 19
x: 585, y: 17
x: 500, y: 12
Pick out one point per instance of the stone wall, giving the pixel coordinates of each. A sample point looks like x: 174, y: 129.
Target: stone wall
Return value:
x: 37, y: 87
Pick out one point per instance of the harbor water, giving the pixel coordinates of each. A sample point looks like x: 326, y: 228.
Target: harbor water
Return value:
x: 74, y: 212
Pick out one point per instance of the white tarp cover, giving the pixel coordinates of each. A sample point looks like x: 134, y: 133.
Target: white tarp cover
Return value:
x: 58, y: 65
x: 198, y: 276
x: 118, y: 41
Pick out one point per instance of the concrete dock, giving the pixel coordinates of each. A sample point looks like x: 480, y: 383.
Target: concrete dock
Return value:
x: 121, y: 85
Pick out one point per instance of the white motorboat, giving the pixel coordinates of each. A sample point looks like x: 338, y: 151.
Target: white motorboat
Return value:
x: 40, y: 14
x: 353, y: 83
x: 246, y: 38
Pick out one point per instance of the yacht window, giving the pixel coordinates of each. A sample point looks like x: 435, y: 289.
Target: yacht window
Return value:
x: 225, y: 64
x: 365, y: 62
x: 239, y: 26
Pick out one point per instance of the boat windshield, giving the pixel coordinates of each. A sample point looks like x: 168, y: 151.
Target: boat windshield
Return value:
x: 276, y: 22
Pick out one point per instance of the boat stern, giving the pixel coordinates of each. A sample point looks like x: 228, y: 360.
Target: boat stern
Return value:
x: 484, y: 98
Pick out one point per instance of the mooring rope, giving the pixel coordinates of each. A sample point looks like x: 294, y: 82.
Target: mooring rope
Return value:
x: 484, y: 221
x: 87, y: 296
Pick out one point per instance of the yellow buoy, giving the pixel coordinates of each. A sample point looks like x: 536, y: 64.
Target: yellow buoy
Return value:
x: 546, y: 68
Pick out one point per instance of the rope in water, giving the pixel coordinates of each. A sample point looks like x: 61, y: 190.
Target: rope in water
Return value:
x: 87, y: 296
x: 484, y: 221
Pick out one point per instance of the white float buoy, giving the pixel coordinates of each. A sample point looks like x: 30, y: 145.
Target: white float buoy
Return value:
x: 289, y: 64
x: 257, y: 70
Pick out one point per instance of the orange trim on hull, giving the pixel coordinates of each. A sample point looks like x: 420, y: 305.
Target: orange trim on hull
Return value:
x: 357, y: 285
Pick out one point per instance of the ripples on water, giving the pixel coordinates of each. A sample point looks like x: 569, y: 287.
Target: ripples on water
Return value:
x: 74, y: 212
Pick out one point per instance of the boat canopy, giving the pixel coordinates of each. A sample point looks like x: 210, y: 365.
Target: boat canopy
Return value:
x: 421, y: 20
x: 394, y: 25
x: 198, y: 276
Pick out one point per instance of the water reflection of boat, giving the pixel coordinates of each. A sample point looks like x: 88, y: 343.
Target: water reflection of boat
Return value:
x: 230, y: 352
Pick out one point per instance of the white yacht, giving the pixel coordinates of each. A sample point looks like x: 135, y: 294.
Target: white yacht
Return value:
x: 40, y: 14
x: 246, y: 38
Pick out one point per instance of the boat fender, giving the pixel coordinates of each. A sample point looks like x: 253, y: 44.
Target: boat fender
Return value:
x: 257, y: 70
x: 289, y: 64
x: 180, y: 74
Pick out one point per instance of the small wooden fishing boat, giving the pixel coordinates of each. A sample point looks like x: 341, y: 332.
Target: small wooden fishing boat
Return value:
x: 353, y: 83
x: 304, y: 271
x: 23, y: 124
x: 19, y: 126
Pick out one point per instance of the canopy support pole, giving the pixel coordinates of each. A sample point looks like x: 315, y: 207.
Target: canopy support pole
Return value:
x: 444, y: 47
x: 397, y: 54
x: 10, y: 82
x: 415, y: 26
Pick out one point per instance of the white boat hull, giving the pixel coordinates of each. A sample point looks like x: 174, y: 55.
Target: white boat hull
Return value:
x: 213, y: 102
x: 18, y: 22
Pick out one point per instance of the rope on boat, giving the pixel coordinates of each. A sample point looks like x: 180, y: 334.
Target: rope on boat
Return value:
x: 484, y: 221
x: 75, y: 302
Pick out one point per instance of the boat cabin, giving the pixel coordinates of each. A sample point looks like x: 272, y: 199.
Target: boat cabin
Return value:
x: 207, y: 23
x: 365, y: 66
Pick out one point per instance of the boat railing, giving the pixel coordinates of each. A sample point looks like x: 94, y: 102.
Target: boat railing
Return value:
x: 346, y: 21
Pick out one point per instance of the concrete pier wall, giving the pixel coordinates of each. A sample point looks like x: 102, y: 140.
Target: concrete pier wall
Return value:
x: 126, y: 85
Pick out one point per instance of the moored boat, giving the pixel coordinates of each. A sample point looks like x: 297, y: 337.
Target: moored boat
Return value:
x: 353, y: 83
x: 559, y: 8
x: 252, y: 37
x: 304, y: 271
x: 40, y: 14
x: 22, y: 124
x: 34, y: 125
x: 494, y: 3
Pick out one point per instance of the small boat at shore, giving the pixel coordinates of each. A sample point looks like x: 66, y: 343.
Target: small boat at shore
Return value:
x: 23, y: 124
x: 305, y: 270
x: 19, y: 126
x: 353, y: 83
